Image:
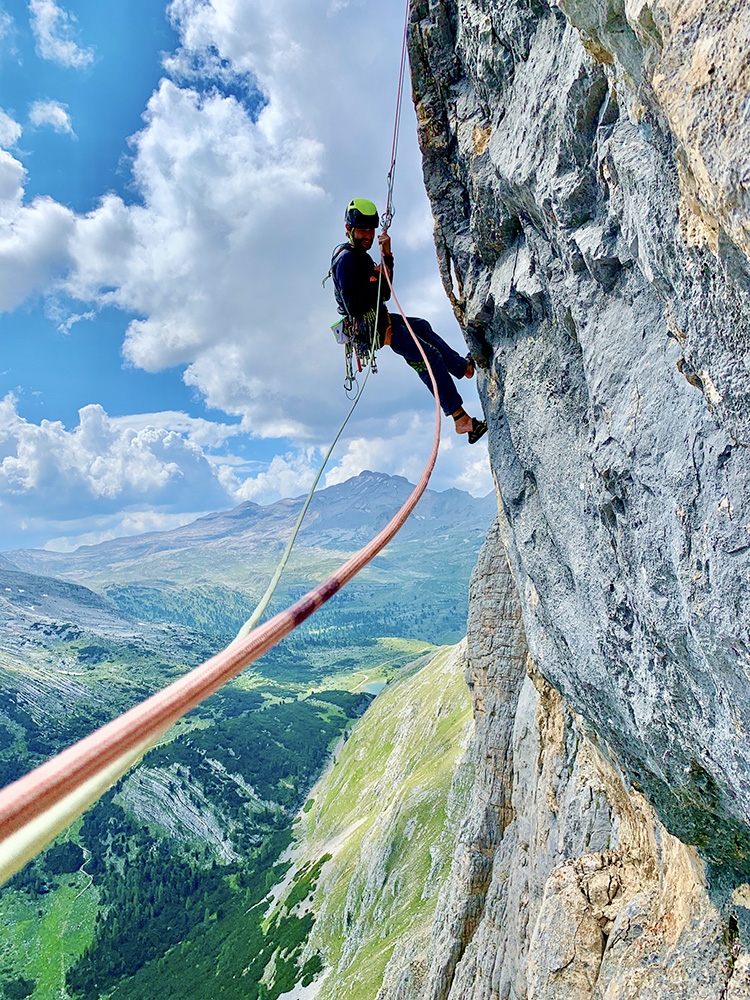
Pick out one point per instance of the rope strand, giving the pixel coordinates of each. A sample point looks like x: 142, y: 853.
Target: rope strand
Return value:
x: 265, y: 600
x: 38, y: 806
x: 389, y: 209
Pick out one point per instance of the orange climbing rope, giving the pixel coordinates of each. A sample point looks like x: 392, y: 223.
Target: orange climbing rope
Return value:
x: 67, y: 784
x: 34, y: 809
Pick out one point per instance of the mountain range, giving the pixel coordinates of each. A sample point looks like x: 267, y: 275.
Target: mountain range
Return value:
x: 209, y: 574
x: 171, y: 864
x: 340, y: 518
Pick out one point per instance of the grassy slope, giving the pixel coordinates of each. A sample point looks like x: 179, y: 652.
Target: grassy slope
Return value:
x: 41, y: 946
x: 385, y: 814
x: 43, y: 936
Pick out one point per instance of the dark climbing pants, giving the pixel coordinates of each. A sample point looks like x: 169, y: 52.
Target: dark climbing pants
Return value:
x: 444, y: 361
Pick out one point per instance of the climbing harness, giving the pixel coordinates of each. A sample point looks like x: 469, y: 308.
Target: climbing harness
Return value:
x: 357, y: 334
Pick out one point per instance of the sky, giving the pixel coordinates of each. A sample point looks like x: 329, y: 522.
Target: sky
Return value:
x: 173, y: 178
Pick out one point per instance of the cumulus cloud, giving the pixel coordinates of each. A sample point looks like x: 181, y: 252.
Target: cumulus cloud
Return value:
x: 403, y: 451
x: 110, y: 476
x: 102, y: 464
x: 287, y: 476
x: 12, y: 176
x: 33, y: 237
x: 51, y: 113
x: 261, y: 131
x: 54, y: 29
x: 240, y: 206
x: 10, y: 130
x: 203, y: 433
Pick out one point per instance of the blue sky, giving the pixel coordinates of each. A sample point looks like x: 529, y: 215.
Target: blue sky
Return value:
x: 172, y: 181
x: 105, y: 98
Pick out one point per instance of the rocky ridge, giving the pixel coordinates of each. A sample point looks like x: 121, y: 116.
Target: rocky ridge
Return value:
x: 564, y: 882
x: 586, y: 168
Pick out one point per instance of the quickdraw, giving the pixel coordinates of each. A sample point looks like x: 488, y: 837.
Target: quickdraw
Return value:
x: 350, y: 381
x: 357, y: 334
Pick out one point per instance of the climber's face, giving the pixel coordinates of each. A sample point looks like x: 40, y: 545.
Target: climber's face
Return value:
x: 363, y: 237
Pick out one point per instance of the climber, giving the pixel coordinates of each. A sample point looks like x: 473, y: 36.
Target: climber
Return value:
x: 356, y: 280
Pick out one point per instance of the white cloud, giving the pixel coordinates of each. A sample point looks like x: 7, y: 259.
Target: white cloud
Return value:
x: 12, y: 175
x: 289, y: 475
x: 120, y: 475
x: 67, y: 324
x: 51, y: 113
x: 10, y: 130
x: 203, y: 433
x: 7, y: 25
x: 240, y: 207
x: 33, y: 237
x: 102, y: 464
x: 53, y: 29
x: 221, y: 254
x: 404, y: 451
x: 419, y: 226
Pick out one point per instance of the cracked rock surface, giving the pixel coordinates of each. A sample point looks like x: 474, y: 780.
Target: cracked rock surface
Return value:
x: 564, y: 885
x: 587, y: 168
x: 586, y: 163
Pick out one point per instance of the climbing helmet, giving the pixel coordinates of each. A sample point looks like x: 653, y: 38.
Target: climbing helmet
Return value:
x: 361, y: 214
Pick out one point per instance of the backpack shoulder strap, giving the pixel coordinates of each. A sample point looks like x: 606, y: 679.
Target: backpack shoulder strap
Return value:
x: 334, y: 257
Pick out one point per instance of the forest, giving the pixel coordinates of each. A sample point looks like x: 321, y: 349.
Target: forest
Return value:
x: 168, y: 908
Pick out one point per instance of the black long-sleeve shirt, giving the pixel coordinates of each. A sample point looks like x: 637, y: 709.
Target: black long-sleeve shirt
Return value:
x: 355, y: 282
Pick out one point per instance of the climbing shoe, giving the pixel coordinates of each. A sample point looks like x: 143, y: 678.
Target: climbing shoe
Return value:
x: 478, y: 429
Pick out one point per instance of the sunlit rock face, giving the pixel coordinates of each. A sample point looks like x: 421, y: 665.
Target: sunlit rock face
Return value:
x: 587, y: 165
x: 565, y: 885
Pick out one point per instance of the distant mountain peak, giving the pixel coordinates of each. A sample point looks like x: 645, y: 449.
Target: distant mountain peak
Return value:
x: 342, y: 517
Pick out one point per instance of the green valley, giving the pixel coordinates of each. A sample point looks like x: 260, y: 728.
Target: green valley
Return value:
x: 380, y: 825
x: 160, y: 889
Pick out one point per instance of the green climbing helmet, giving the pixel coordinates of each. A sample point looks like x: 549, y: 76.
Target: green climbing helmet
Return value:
x: 361, y: 214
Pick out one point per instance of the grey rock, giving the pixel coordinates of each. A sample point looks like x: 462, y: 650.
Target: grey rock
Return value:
x: 586, y: 165
x: 585, y: 170
x: 583, y: 895
x: 496, y: 660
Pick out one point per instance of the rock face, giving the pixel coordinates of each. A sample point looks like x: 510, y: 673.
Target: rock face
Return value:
x: 587, y: 168
x: 565, y: 885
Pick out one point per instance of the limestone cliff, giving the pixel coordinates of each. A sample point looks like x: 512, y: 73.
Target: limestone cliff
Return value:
x: 587, y: 167
x: 565, y: 885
